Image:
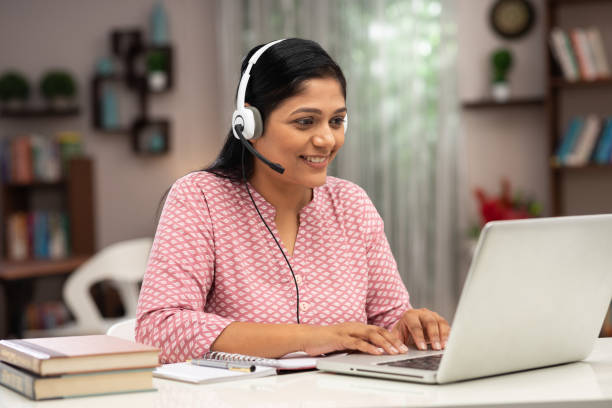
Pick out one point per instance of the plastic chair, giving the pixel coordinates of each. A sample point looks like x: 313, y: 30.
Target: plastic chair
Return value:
x: 125, y: 329
x: 124, y: 263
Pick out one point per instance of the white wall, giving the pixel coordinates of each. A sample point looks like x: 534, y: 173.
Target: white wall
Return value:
x: 36, y: 35
x: 505, y: 141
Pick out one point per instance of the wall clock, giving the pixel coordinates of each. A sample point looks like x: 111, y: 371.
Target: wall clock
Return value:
x: 512, y: 19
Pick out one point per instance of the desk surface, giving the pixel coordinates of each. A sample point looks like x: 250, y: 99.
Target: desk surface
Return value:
x: 578, y: 384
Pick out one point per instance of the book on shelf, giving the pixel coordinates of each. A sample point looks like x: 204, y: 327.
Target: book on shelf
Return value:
x: 580, y: 53
x: 603, y: 150
x: 583, y: 54
x: 564, y: 54
x: 37, y: 387
x: 598, y: 52
x: 37, y: 235
x: 568, y: 141
x: 77, y: 354
x: 585, y: 142
x: 37, y: 158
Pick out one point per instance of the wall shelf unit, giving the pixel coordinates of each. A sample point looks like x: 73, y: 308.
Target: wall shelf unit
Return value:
x: 145, y: 70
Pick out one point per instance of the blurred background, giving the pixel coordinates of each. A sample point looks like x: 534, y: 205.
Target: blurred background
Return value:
x: 461, y: 112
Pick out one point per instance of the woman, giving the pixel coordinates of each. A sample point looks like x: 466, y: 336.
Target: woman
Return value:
x: 250, y: 260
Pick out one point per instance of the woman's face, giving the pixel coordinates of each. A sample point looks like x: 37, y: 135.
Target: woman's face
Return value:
x: 304, y: 134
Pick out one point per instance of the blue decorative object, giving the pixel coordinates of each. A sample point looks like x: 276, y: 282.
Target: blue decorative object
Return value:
x: 110, y: 108
x: 105, y: 66
x: 156, y: 142
x: 159, y: 25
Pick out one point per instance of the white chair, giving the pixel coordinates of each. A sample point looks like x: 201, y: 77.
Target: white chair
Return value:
x: 125, y: 329
x: 124, y: 264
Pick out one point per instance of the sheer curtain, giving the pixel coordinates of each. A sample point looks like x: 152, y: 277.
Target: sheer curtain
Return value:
x: 398, y: 57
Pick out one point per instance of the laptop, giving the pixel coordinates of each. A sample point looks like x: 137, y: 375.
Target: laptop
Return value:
x: 536, y: 295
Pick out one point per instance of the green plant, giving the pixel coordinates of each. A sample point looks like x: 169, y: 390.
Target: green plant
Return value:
x: 501, y: 60
x: 57, y: 84
x: 156, y: 61
x: 14, y: 85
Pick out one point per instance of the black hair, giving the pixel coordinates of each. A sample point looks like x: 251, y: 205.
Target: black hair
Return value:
x: 279, y: 74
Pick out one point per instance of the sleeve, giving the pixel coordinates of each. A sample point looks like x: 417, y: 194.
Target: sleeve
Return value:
x: 387, y: 297
x: 179, y: 275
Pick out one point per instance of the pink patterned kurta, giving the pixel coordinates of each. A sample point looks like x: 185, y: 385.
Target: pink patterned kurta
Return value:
x: 214, y: 262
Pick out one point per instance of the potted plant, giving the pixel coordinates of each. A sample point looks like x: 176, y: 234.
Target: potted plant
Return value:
x: 501, y: 62
x: 14, y: 89
x: 58, y: 88
x: 157, y: 67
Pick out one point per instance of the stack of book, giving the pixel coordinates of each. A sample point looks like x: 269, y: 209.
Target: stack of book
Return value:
x: 37, y: 235
x: 580, y: 53
x: 586, y: 140
x: 62, y: 367
x: 37, y: 158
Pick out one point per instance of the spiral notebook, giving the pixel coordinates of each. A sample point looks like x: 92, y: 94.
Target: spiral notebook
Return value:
x: 292, y: 361
x: 193, y: 373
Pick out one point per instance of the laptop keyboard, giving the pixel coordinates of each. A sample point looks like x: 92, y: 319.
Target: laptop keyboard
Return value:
x: 423, y: 363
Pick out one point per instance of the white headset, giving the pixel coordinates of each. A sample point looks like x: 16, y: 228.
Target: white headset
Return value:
x: 249, y: 116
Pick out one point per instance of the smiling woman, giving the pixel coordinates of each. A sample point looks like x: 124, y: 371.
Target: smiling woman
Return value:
x: 251, y: 260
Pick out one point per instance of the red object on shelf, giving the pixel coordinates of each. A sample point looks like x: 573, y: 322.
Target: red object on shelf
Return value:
x: 499, y: 208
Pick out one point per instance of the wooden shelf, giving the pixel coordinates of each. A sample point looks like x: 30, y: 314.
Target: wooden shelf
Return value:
x: 35, y: 184
x: 563, y: 83
x: 578, y: 2
x: 12, y: 270
x: 39, y: 112
x: 589, y: 166
x: 518, y: 102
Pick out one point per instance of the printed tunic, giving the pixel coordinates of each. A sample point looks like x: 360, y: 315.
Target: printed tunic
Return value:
x: 214, y: 262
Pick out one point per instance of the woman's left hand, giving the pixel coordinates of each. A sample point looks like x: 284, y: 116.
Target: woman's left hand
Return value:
x: 422, y: 326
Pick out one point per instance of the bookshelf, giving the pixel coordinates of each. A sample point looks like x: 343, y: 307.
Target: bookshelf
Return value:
x: 72, y: 194
x: 585, y: 189
x: 566, y: 99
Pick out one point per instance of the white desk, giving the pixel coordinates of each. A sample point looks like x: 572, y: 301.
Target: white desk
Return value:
x: 582, y: 384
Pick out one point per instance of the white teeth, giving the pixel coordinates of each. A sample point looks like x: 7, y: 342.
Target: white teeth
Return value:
x: 315, y: 159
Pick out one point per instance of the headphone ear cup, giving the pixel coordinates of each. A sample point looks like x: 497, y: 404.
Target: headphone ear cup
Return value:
x: 258, y: 122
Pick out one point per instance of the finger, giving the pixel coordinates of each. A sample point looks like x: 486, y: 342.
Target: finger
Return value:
x: 394, y: 338
x: 377, y: 338
x: 444, y: 328
x: 431, y: 328
x: 416, y: 332
x: 354, y: 343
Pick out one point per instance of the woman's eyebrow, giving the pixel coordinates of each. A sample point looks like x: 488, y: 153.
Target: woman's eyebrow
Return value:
x: 317, y: 111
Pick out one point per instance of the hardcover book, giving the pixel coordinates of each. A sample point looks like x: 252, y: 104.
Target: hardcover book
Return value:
x: 37, y: 387
x: 77, y: 354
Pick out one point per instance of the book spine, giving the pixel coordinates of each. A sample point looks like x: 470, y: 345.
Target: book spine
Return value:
x: 599, y: 52
x: 562, y: 51
x: 17, y: 381
x: 569, y: 139
x: 19, y: 359
x: 580, y: 44
x: 602, y: 151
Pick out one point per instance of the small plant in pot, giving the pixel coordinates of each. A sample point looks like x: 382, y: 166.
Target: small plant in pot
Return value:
x: 501, y: 63
x: 14, y: 90
x: 157, y: 67
x: 58, y: 88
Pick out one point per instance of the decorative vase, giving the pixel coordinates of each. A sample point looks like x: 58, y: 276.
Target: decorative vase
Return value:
x: 158, y: 81
x: 159, y: 25
x: 500, y: 91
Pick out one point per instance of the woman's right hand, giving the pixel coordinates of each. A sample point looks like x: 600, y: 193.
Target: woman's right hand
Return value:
x: 317, y: 340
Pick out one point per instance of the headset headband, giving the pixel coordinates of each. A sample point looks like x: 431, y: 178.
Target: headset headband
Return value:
x: 244, y: 80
